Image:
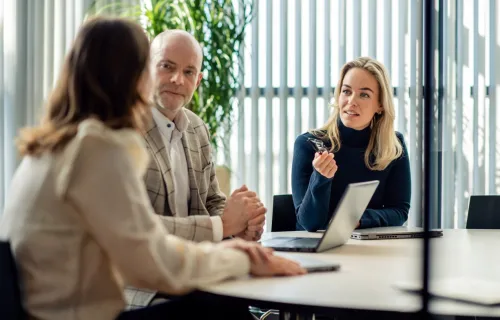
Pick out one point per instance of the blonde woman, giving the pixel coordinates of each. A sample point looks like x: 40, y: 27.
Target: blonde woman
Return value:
x: 360, y: 145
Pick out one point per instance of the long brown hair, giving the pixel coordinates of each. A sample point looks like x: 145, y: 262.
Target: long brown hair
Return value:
x: 99, y: 79
x: 384, y: 146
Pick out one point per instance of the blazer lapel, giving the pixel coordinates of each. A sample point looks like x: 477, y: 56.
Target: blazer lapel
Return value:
x: 155, y: 141
x: 191, y: 149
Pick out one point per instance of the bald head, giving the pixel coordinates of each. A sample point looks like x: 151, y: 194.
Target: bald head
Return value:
x: 176, y: 59
x: 176, y: 38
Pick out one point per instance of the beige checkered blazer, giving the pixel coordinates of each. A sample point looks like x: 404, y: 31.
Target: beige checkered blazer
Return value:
x: 206, y: 198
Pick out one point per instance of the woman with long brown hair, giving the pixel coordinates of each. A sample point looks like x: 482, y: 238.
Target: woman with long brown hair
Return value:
x: 78, y: 217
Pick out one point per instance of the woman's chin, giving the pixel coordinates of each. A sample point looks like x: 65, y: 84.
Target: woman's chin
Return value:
x: 353, y: 122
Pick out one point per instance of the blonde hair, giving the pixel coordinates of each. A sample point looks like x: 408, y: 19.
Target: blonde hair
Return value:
x: 384, y: 146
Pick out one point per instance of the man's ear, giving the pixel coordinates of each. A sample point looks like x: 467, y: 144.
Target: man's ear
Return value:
x: 200, y: 76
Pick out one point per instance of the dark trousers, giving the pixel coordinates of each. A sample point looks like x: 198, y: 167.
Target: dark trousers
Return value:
x: 192, y: 306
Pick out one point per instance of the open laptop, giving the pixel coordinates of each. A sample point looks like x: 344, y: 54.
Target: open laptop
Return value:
x: 385, y: 233
x: 344, y: 220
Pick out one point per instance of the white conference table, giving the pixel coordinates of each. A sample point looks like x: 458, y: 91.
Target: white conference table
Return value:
x: 369, y: 271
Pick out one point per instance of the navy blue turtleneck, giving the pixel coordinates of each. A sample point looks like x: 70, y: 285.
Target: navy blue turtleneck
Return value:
x: 316, y: 197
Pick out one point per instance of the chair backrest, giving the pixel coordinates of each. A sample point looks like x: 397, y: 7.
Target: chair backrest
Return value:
x: 10, y: 294
x: 484, y: 212
x: 284, y: 218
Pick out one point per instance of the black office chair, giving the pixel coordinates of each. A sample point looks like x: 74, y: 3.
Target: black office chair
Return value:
x: 11, y: 307
x: 284, y: 218
x: 484, y: 212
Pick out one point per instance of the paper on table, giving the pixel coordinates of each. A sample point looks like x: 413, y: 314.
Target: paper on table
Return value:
x: 466, y: 289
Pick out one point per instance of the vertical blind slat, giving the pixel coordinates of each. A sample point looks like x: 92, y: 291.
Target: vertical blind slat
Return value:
x: 372, y: 29
x: 442, y: 87
x: 492, y: 98
x: 241, y: 177
x: 59, y: 35
x: 283, y: 157
x: 39, y: 98
x: 420, y: 110
x: 30, y: 64
x: 3, y: 186
x: 356, y: 19
x: 342, y: 34
x: 48, y: 48
x: 388, y: 35
x: 298, y: 68
x: 69, y: 23
x: 401, y: 68
x: 413, y: 220
x: 312, y: 65
x: 481, y: 104
x: 452, y: 76
x: 254, y: 177
x: 80, y: 7
x: 446, y: 206
x: 459, y: 133
x: 328, y: 63
x: 269, y: 102
x: 475, y: 94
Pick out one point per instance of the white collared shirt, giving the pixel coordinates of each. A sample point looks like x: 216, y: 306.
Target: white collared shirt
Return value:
x: 171, y: 134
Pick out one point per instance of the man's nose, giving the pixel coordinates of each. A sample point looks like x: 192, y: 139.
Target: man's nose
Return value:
x: 177, y: 78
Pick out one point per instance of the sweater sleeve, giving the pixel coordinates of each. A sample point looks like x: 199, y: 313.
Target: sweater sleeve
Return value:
x: 114, y: 205
x: 310, y: 190
x: 397, y: 195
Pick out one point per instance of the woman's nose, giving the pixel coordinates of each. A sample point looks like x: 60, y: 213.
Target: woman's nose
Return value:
x: 353, y: 100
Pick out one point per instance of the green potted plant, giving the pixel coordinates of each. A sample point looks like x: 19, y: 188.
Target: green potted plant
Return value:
x: 219, y: 26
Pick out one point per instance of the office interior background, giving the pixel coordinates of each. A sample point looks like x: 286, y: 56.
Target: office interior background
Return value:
x: 293, y: 53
